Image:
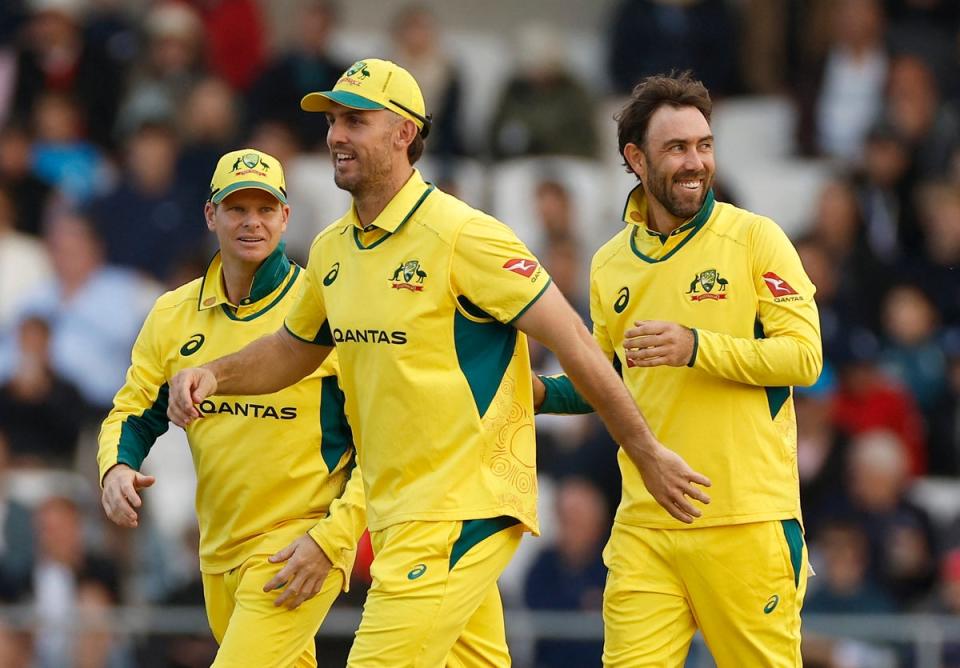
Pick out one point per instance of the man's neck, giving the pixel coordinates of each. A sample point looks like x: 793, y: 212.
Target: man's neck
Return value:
x: 237, y: 279
x: 659, y: 219
x: 371, y: 204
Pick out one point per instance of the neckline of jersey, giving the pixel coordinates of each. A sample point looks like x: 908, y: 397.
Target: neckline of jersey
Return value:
x: 270, y: 275
x: 356, y: 231
x: 691, y: 228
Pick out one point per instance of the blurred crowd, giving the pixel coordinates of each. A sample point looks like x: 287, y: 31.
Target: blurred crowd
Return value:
x: 112, y: 117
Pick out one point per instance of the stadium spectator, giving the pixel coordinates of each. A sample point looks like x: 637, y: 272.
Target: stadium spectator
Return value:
x: 868, y: 399
x: 821, y: 452
x: 41, y: 412
x: 542, y: 109
x: 235, y: 40
x: 860, y: 278
x: 16, y: 538
x: 64, y: 564
x: 884, y: 183
x: 308, y: 66
x: 153, y: 217
x: 23, y: 260
x: 167, y: 68
x: 654, y: 36
x: 944, y: 440
x: 28, y: 192
x: 417, y: 46
x: 935, y: 268
x: 207, y: 128
x: 94, y: 309
x: 55, y: 58
x: 60, y: 156
x: 912, y: 351
x: 899, y: 533
x: 841, y: 95
x: 915, y: 107
x: 570, y: 575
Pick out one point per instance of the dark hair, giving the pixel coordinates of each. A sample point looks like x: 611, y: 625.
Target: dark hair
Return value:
x: 415, y: 149
x: 676, y: 90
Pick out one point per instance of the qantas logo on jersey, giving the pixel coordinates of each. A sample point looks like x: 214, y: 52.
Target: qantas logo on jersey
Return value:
x: 707, y: 280
x: 209, y: 407
x: 396, y: 338
x: 780, y: 289
x: 521, y: 266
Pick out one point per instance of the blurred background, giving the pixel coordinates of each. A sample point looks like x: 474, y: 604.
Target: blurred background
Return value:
x: 837, y: 118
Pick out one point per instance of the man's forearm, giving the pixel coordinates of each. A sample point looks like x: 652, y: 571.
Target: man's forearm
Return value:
x: 267, y: 365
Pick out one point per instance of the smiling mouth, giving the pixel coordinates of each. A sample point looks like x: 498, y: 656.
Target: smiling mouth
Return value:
x: 690, y: 184
x: 250, y: 240
x: 341, y: 158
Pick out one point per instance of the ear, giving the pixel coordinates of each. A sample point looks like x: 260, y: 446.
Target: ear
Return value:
x: 406, y: 132
x: 637, y: 160
x: 209, y: 209
x: 285, y: 213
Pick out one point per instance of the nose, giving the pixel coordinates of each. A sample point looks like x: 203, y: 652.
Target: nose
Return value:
x: 336, y: 134
x: 693, y: 160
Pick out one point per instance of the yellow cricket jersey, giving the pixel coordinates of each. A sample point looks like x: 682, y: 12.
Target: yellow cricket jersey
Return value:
x: 419, y: 305
x: 735, y: 278
x: 269, y: 468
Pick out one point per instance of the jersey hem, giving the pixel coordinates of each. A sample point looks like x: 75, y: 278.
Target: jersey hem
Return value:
x: 725, y: 520
x: 529, y: 523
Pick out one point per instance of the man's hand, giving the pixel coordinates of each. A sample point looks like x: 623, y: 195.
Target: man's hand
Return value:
x: 671, y: 481
x: 120, y: 496
x: 303, y: 575
x: 188, y: 388
x: 656, y: 342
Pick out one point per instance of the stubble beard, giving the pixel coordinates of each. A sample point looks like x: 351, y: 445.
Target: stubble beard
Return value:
x: 659, y: 186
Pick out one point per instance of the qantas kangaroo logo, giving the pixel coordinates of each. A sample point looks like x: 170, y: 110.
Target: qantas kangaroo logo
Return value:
x: 521, y: 266
x: 777, y: 286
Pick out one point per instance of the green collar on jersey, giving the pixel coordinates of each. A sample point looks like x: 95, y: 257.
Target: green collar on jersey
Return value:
x: 269, y: 276
x: 691, y: 227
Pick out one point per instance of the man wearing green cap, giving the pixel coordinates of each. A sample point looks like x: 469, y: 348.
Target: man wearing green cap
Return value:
x: 273, y: 471
x: 428, y: 302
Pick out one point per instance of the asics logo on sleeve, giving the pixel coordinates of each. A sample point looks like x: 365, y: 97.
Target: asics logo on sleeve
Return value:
x: 417, y: 571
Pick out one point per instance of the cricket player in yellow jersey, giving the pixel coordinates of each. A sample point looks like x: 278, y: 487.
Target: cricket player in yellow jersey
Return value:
x: 276, y: 476
x: 427, y: 301
x: 706, y: 311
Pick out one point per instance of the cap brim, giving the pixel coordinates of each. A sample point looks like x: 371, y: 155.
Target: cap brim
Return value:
x: 243, y: 185
x: 323, y: 101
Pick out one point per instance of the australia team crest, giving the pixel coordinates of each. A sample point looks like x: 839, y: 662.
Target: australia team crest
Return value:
x: 409, y: 276
x: 708, y: 284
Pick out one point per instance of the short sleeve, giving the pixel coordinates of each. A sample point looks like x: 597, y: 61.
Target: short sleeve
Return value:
x: 307, y: 320
x: 495, y: 271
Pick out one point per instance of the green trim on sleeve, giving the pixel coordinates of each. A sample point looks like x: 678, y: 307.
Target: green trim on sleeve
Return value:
x: 531, y: 302
x: 562, y: 398
x: 776, y: 396
x: 696, y: 348
x: 324, y: 336
x: 475, y: 531
x: 139, y: 432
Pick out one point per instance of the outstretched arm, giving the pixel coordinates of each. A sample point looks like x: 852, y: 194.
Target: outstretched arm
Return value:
x: 552, y: 321
x: 266, y: 365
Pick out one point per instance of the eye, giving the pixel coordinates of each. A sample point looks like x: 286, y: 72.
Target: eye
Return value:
x: 706, y: 146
